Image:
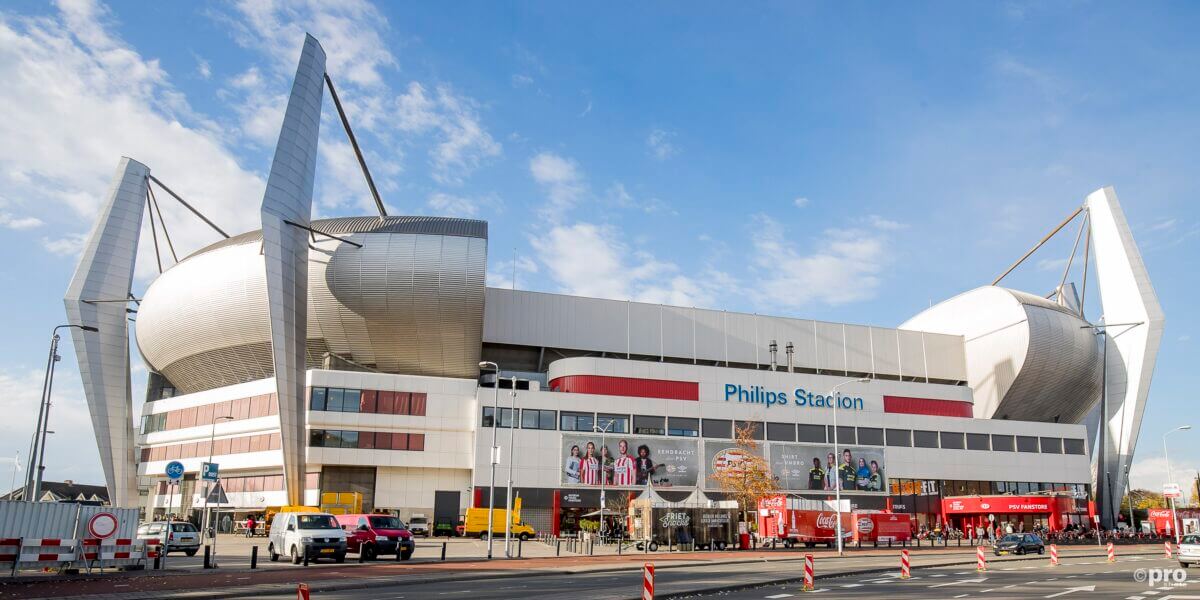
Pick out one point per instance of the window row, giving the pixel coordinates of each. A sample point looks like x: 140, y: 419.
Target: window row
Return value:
x: 946, y: 487
x: 205, y: 414
x: 365, y: 440
x: 253, y: 483
x: 782, y: 432
x: 220, y: 447
x: 367, y: 401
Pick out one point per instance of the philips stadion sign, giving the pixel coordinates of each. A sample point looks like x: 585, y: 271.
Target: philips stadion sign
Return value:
x: 757, y: 394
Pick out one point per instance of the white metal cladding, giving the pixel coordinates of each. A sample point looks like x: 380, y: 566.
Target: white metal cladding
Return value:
x: 105, y: 273
x: 66, y: 520
x: 285, y: 248
x: 203, y: 324
x: 552, y: 320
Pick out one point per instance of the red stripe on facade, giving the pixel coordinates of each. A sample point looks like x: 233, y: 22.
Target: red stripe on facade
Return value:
x: 927, y: 406
x: 627, y: 386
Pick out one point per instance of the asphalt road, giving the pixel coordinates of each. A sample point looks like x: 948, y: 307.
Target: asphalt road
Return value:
x: 1082, y: 578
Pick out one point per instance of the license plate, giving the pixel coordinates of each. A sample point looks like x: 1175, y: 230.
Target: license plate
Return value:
x: 326, y: 550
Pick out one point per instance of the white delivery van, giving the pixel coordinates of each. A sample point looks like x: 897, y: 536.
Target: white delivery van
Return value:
x: 316, y: 535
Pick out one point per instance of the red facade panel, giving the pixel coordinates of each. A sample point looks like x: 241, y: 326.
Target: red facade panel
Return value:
x: 403, y: 401
x: 927, y: 406
x: 417, y: 404
x: 627, y: 386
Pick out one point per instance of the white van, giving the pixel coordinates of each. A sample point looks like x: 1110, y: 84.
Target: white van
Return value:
x: 316, y: 535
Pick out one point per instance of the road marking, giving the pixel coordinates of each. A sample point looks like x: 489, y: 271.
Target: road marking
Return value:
x: 1133, y: 598
x: 780, y: 596
x: 1151, y: 593
x: 939, y: 575
x: 1082, y: 588
x: 960, y: 581
x: 852, y: 585
x: 962, y: 595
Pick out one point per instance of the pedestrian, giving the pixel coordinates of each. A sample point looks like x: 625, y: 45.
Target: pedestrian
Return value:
x: 250, y: 525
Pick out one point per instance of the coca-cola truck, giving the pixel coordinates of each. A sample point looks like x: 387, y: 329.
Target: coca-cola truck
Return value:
x: 791, y: 521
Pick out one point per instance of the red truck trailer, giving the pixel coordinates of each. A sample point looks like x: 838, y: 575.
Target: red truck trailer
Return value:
x: 874, y: 526
x: 792, y: 521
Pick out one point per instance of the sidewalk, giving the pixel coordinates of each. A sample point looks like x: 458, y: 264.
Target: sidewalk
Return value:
x: 230, y: 583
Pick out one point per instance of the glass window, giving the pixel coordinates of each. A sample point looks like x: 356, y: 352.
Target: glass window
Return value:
x: 925, y: 439
x: 845, y: 435
x: 613, y: 423
x: 978, y: 441
x: 318, y: 398
x: 870, y: 436
x: 1052, y: 445
x: 898, y: 437
x: 573, y: 421
x: 349, y: 439
x: 781, y: 432
x: 537, y: 419
x: 489, y: 417
x: 1071, y: 446
x: 721, y: 429
x: 756, y: 429
x: 350, y: 400
x: 952, y: 440
x: 1003, y: 443
x: 333, y: 439
x: 683, y: 426
x: 506, y: 416
x: 649, y: 425
x: 1027, y: 443
x: 316, y: 438
x: 810, y: 433
x: 333, y: 399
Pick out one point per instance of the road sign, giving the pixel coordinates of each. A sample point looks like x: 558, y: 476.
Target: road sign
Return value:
x: 1172, y: 490
x: 175, y: 470
x: 208, y: 471
x: 102, y: 525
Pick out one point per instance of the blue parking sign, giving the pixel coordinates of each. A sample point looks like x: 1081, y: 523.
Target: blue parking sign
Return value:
x: 208, y: 471
x: 175, y: 470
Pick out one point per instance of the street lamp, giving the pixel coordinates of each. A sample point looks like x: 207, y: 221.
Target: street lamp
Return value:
x: 33, y: 483
x: 603, y: 432
x: 495, y: 453
x: 1171, y: 478
x: 208, y: 488
x: 512, y: 395
x: 837, y: 488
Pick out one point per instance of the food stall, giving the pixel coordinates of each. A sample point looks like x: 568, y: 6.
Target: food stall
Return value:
x: 695, y: 521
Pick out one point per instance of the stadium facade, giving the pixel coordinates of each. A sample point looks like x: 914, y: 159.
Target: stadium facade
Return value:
x: 345, y: 355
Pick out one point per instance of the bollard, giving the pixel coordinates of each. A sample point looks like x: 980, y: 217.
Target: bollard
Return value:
x: 254, y: 557
x: 519, y: 542
x: 648, y: 581
x: 808, y: 573
x: 362, y: 553
x: 306, y: 556
x: 158, y: 559
x: 1053, y: 555
x: 620, y: 543
x: 558, y: 548
x: 905, y: 571
x: 1167, y: 548
x: 1112, y: 552
x: 443, y: 550
x: 208, y: 557
x: 980, y: 560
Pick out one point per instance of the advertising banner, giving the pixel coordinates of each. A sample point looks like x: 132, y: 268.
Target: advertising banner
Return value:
x: 722, y: 456
x: 629, y: 461
x: 812, y: 467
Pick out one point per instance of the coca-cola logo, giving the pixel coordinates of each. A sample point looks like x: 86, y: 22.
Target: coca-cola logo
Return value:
x: 866, y: 525
x: 826, y: 521
x: 775, y: 502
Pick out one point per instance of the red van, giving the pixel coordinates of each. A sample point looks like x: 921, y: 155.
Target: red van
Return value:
x: 377, y: 534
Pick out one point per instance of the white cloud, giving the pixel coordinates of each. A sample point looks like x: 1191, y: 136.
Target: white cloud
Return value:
x: 203, y: 69
x: 68, y: 245
x: 659, y: 144
x: 1185, y: 338
x: 463, y: 143
x: 562, y: 181
x: 501, y: 274
x: 618, y: 195
x: 879, y: 222
x: 800, y: 202
x: 258, y: 104
x: 1151, y: 473
x: 1163, y: 225
x: 521, y: 80
x: 449, y: 205
x: 70, y: 450
x: 1051, y: 264
x: 844, y: 268
x: 11, y: 222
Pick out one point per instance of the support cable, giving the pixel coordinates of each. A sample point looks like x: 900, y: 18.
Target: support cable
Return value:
x: 1087, y: 246
x: 1039, y: 244
x: 1071, y: 259
x: 354, y: 144
x: 162, y: 222
x: 153, y: 232
x: 316, y: 232
x: 188, y: 206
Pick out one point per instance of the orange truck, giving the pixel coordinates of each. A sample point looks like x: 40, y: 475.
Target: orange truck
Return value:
x: 791, y: 521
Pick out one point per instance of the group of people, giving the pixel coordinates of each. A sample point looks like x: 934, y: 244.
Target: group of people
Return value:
x: 592, y: 467
x: 864, y: 476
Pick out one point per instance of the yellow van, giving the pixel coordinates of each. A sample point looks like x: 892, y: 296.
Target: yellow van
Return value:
x: 476, y: 523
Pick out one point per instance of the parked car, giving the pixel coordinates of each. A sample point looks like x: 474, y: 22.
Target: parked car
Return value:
x: 372, y: 535
x: 419, y: 525
x: 1189, y: 550
x: 184, y: 536
x: 316, y: 535
x: 1020, y: 543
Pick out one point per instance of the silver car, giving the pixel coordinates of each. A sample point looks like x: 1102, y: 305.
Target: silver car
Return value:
x: 1189, y: 550
x: 184, y: 536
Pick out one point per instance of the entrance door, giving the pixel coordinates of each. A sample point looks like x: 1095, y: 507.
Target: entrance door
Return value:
x: 445, y: 512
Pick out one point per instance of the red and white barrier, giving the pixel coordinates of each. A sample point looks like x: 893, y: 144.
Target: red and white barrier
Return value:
x: 648, y: 581
x: 905, y: 572
x: 302, y: 591
x: 809, y: 577
x: 1053, y: 555
x: 1167, y: 548
x: 47, y: 551
x: 1112, y: 552
x: 980, y: 559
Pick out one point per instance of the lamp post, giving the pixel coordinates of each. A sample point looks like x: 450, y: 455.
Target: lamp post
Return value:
x: 495, y: 453
x: 512, y: 395
x: 603, y: 432
x: 837, y: 488
x: 1171, y: 479
x: 208, y: 488
x: 37, y: 451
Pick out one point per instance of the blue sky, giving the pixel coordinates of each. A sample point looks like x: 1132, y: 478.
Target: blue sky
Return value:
x: 848, y: 163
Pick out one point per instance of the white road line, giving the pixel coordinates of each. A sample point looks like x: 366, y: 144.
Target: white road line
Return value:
x: 960, y: 581
x: 1133, y: 598
x: 939, y: 575
x: 780, y: 596
x: 1151, y: 593
x: 962, y: 595
x: 852, y: 585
